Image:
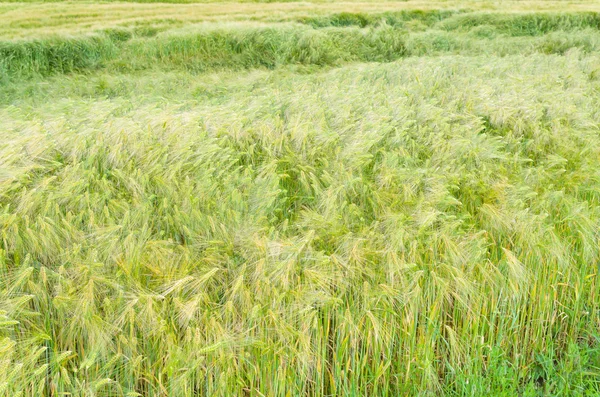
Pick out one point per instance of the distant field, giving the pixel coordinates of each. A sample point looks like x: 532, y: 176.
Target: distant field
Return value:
x: 300, y: 199
x: 36, y: 19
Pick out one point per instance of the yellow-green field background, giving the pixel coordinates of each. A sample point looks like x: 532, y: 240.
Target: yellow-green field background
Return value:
x: 19, y: 20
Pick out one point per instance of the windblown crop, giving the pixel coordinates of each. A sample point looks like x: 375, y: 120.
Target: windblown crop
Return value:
x: 345, y: 204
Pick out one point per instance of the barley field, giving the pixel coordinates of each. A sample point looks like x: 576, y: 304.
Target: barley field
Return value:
x: 300, y: 198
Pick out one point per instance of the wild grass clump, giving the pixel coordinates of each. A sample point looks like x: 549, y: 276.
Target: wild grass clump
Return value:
x: 400, y: 18
x: 244, y: 49
x: 524, y: 24
x: 56, y: 55
x: 560, y: 42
